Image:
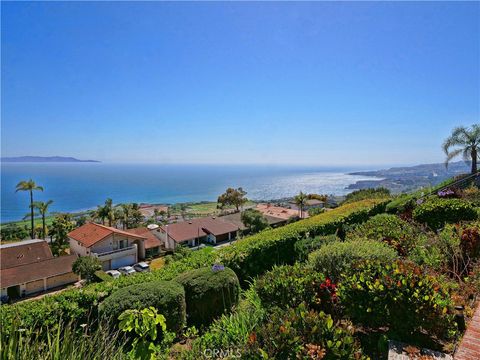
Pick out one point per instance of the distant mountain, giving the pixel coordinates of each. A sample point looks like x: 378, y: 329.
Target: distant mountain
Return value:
x: 408, y: 178
x: 38, y: 159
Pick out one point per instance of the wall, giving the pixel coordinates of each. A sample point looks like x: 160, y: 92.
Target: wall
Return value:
x: 60, y: 280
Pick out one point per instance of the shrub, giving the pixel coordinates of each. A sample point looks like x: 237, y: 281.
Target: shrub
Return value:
x: 209, y: 293
x: 256, y: 254
x: 287, y: 285
x: 254, y: 220
x: 101, y: 275
x: 403, y: 204
x: 86, y: 266
x: 399, y: 296
x: 306, y: 246
x: 398, y: 233
x: 436, y: 212
x: 315, y: 211
x: 335, y: 258
x: 168, y: 297
x: 362, y: 194
x: 297, y: 333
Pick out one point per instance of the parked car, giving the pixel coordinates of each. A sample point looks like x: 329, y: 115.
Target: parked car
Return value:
x: 114, y: 273
x: 141, y: 267
x: 127, y: 270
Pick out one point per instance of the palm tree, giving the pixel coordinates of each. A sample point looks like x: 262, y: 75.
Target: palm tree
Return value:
x: 466, y: 142
x: 29, y: 186
x: 126, y: 213
x: 300, y: 201
x: 109, y: 211
x: 42, y: 208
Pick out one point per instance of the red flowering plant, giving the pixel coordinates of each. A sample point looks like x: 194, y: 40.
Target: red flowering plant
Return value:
x: 399, y: 296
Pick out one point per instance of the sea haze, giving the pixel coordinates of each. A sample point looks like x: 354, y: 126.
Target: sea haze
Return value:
x: 81, y: 186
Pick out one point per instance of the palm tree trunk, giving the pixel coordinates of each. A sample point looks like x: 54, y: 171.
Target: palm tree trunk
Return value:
x: 474, y: 161
x: 31, y: 214
x: 44, y: 227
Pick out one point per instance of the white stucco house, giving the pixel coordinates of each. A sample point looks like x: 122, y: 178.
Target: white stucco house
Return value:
x: 113, y: 247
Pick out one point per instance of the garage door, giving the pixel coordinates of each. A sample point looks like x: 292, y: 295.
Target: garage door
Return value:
x: 123, y: 261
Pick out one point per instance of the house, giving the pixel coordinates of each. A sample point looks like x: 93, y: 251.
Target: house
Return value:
x: 191, y: 233
x: 236, y: 219
x: 279, y: 212
x: 113, y: 247
x: 153, y: 245
x: 314, y: 203
x: 148, y: 210
x: 29, y: 267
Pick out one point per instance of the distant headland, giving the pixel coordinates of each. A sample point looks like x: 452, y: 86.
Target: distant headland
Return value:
x: 38, y: 159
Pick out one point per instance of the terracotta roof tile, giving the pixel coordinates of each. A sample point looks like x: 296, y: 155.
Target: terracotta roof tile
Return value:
x: 194, y: 228
x: 91, y: 233
x: 24, y: 252
x: 37, y: 270
x: 151, y: 242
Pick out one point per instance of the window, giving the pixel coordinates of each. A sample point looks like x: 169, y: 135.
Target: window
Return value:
x: 123, y: 244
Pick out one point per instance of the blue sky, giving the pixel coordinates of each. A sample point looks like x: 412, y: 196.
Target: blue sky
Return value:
x: 284, y: 83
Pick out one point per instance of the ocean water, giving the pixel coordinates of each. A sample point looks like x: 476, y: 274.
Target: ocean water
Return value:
x: 81, y: 186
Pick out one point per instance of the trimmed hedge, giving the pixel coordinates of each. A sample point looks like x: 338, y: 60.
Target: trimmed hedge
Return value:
x: 306, y: 246
x: 335, y: 258
x: 437, y: 212
x: 247, y: 257
x: 168, y: 297
x: 209, y: 293
x: 258, y: 253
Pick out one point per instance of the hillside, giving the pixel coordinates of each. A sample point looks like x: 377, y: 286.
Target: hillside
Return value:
x: 38, y: 159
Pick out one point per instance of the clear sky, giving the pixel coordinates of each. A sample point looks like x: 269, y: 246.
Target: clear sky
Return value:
x: 306, y: 83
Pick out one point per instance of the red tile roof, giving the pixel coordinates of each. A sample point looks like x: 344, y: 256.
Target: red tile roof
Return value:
x: 24, y: 252
x: 151, y: 242
x: 277, y: 211
x: 200, y: 227
x: 91, y: 233
x: 37, y: 270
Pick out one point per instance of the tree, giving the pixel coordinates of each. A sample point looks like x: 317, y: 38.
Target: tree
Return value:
x: 85, y: 267
x: 233, y: 197
x: 12, y: 232
x: 29, y: 186
x: 61, y: 225
x: 466, y: 142
x: 254, y: 220
x: 42, y: 208
x: 300, y: 201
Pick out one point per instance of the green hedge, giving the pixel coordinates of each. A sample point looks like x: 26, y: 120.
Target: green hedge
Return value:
x: 391, y: 229
x: 168, y: 297
x: 258, y: 253
x: 209, y: 294
x: 335, y: 258
x: 247, y: 257
x: 436, y: 212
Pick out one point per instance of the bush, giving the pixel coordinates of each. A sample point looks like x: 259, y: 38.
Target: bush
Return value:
x: 362, y: 194
x: 101, y: 275
x: 209, y: 293
x: 86, y: 266
x: 286, y: 286
x: 399, y: 296
x: 315, y: 211
x: 306, y: 246
x: 256, y: 254
x: 335, y: 258
x: 297, y: 333
x: 436, y: 212
x: 168, y: 297
x: 398, y: 233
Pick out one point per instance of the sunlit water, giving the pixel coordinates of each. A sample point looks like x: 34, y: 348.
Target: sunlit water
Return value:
x: 81, y: 186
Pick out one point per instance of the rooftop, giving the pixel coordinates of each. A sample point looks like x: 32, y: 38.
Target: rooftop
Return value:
x: 91, y: 233
x: 151, y: 242
x: 200, y: 227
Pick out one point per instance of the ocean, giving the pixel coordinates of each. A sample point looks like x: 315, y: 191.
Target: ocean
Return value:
x: 81, y: 186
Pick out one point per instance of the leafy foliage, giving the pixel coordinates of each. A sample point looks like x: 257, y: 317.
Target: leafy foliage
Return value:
x: 148, y: 326
x: 301, y: 333
x: 362, y: 194
x: 287, y: 285
x: 436, y: 212
x: 209, y: 293
x: 397, y: 295
x: 334, y: 259
x: 254, y: 220
x: 233, y: 197
x: 167, y: 297
x: 13, y: 232
x: 256, y: 254
x: 86, y: 266
x: 305, y: 246
x: 392, y: 230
